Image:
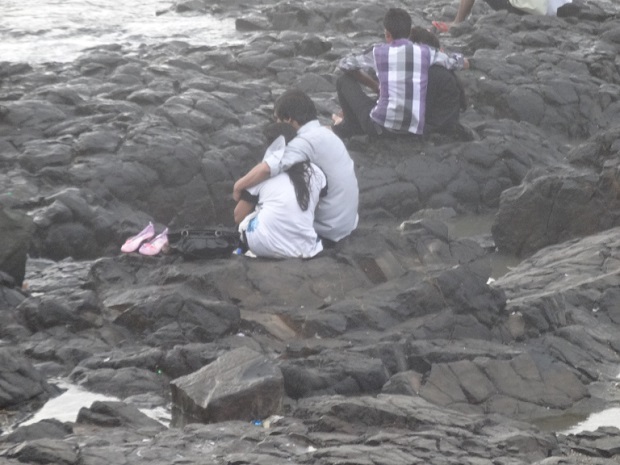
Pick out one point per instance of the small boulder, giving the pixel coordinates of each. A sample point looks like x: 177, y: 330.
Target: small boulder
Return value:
x: 20, y: 382
x: 239, y: 385
x: 15, y: 229
x: 112, y: 413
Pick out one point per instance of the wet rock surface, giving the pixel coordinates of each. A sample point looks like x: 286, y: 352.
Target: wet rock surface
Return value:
x: 395, y: 346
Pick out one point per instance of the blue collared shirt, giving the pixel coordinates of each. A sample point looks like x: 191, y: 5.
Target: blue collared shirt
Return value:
x: 336, y: 214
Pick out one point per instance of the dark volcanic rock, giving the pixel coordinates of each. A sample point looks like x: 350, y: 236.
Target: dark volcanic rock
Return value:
x: 116, y: 414
x: 49, y: 428
x: 16, y: 229
x: 21, y: 382
x: 394, y: 346
x: 45, y: 451
x: 564, y: 203
x: 240, y: 385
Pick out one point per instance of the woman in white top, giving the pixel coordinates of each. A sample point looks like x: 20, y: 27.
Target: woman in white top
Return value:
x: 276, y: 217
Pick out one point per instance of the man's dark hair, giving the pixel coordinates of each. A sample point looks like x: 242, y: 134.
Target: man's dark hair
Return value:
x: 296, y: 105
x: 398, y: 23
x: 419, y: 35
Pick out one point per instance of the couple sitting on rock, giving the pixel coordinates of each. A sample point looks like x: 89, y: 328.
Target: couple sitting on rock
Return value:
x: 304, y: 193
x: 417, y: 90
x: 276, y: 198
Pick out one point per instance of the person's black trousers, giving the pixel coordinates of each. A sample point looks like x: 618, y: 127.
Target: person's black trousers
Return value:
x: 356, y: 106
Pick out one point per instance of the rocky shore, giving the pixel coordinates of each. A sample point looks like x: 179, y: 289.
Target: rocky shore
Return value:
x: 394, y: 347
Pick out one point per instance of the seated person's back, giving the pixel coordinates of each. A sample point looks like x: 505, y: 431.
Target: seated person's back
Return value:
x: 443, y: 100
x: 445, y: 95
x: 281, y: 227
x: 336, y: 215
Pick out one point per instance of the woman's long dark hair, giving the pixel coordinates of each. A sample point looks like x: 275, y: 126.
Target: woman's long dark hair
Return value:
x: 301, y: 175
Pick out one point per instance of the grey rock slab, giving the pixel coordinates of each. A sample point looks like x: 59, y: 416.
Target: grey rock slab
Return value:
x: 21, y: 382
x: 110, y: 413
x: 45, y: 451
x: 241, y: 384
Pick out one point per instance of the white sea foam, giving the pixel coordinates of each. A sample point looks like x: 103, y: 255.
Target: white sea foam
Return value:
x: 608, y: 417
x: 67, y: 405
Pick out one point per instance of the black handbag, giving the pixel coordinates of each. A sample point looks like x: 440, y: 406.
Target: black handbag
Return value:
x: 204, y: 243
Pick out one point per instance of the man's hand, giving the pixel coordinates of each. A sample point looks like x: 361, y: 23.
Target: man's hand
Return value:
x: 365, y: 79
x: 243, y: 209
x: 255, y: 176
x: 237, y: 189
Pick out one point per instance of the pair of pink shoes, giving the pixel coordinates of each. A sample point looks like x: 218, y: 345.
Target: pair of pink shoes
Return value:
x: 153, y: 247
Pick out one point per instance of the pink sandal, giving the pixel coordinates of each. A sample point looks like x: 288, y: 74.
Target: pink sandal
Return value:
x: 132, y: 244
x: 156, y: 245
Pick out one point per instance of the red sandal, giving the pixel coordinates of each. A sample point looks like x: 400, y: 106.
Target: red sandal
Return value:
x: 440, y: 26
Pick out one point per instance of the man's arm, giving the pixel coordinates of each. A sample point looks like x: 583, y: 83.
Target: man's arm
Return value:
x: 453, y: 61
x: 365, y: 79
x: 255, y: 176
x: 242, y: 209
x: 356, y: 62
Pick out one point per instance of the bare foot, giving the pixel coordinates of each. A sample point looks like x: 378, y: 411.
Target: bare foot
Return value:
x: 337, y: 118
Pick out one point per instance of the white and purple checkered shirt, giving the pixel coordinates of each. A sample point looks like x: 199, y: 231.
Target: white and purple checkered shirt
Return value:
x: 402, y: 69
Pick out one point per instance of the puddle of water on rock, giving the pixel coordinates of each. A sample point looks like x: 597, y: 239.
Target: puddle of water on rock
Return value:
x: 470, y: 225
x: 67, y: 405
x: 575, y: 423
x: 560, y: 423
x: 578, y: 423
x: 478, y: 228
x: 608, y: 417
x: 502, y: 264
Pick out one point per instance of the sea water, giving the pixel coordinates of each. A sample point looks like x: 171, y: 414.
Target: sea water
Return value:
x: 66, y: 406
x: 37, y: 31
x: 608, y: 417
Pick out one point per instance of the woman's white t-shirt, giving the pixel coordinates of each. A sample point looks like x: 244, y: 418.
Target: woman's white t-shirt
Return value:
x: 281, y: 228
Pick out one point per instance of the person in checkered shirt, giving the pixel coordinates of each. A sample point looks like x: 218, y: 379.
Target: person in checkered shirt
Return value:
x: 397, y: 71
